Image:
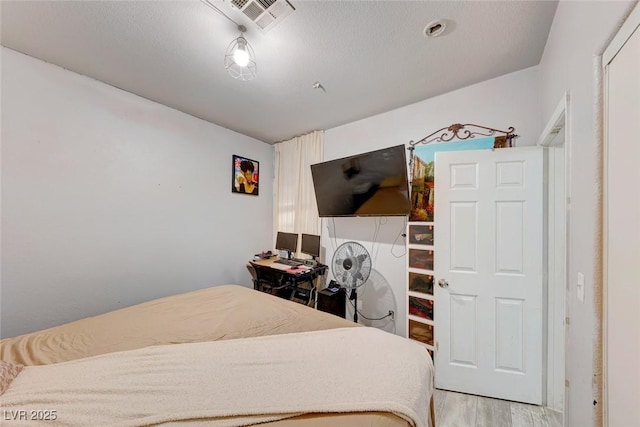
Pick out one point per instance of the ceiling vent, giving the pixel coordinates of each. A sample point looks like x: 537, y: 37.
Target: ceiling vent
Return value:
x: 266, y: 14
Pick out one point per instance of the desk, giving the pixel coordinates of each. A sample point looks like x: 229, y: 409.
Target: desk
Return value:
x: 286, y: 282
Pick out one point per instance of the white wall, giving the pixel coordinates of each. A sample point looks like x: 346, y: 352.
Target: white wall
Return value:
x: 578, y: 35
x: 109, y: 199
x: 509, y: 100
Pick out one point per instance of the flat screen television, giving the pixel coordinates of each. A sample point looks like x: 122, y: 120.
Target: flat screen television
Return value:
x: 368, y: 184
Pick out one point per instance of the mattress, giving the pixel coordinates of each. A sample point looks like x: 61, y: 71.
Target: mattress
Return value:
x: 217, y: 313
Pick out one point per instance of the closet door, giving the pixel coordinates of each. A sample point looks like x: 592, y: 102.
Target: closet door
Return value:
x: 622, y: 229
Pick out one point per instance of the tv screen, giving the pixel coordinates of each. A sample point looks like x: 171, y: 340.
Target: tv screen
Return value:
x: 368, y: 184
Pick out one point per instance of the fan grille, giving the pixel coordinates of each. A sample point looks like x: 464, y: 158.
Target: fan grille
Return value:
x: 351, y: 265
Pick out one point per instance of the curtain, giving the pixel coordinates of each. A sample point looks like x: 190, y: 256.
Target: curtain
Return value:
x: 295, y: 200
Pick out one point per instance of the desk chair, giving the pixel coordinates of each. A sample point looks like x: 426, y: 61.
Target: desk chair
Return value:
x: 270, y: 281
x: 254, y: 275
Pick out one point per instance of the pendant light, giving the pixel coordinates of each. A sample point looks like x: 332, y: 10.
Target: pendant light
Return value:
x: 240, y: 61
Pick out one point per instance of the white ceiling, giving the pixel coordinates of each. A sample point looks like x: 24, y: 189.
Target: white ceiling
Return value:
x: 370, y: 56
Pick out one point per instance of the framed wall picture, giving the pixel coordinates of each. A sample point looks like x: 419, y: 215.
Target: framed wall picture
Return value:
x: 421, y: 234
x: 421, y: 259
x: 422, y: 283
x: 421, y: 332
x: 245, y: 175
x: 421, y: 307
x: 423, y: 185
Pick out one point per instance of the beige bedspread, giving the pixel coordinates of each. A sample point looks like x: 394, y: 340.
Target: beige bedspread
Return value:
x: 234, y: 382
x: 221, y: 312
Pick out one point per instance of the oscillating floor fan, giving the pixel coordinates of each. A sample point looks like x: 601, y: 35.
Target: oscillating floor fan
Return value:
x: 351, y: 265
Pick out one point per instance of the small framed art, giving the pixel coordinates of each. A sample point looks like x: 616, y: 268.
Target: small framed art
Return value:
x: 422, y: 283
x: 421, y: 307
x: 245, y: 175
x: 421, y: 234
x: 422, y: 259
x: 421, y: 332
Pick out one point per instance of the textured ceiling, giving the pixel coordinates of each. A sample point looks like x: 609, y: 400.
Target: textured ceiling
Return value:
x: 370, y: 56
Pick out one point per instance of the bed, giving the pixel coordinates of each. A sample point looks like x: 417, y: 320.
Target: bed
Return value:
x: 246, y: 357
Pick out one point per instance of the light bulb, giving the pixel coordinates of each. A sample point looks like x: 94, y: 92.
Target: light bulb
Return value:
x: 240, y: 55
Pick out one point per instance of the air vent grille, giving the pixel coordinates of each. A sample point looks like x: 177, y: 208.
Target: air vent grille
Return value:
x: 266, y: 3
x: 239, y: 3
x: 253, y: 11
x: 265, y: 20
x: 266, y: 14
x: 278, y: 9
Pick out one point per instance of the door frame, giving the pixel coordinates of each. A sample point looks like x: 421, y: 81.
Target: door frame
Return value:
x: 630, y: 25
x: 556, y: 134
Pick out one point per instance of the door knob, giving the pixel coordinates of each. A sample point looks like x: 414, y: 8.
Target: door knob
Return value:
x: 443, y: 283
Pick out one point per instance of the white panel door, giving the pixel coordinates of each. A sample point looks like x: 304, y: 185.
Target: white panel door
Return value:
x: 488, y: 266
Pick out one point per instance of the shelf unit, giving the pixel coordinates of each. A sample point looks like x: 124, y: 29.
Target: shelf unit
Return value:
x: 420, y: 284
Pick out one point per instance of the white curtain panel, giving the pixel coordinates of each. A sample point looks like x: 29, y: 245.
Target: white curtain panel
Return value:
x: 295, y: 204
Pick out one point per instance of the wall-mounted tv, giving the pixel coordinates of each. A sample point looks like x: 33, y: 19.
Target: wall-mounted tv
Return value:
x: 368, y: 184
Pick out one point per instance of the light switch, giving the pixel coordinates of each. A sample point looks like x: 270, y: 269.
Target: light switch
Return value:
x: 580, y: 287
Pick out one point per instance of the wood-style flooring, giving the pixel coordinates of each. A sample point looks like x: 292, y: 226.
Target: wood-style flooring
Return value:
x: 466, y: 410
